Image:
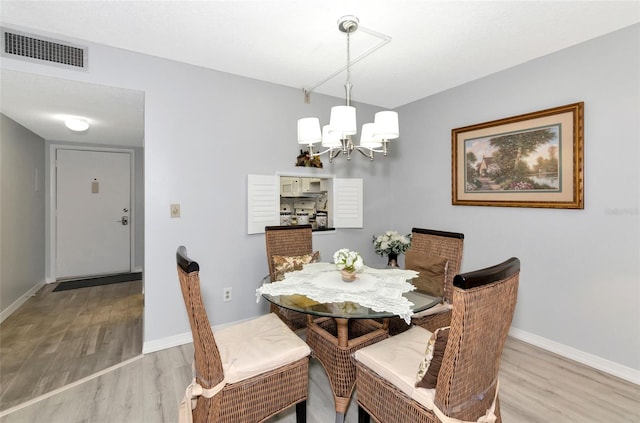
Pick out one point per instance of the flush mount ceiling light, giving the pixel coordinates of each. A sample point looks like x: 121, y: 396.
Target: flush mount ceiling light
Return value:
x: 336, y: 136
x: 77, y: 124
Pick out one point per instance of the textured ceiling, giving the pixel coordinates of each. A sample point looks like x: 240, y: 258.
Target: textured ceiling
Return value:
x: 42, y: 104
x: 434, y: 45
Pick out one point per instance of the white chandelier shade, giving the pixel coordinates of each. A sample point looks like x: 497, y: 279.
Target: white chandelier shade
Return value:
x: 368, y: 139
x: 373, y: 136
x: 343, y: 121
x: 386, y: 125
x: 309, y: 131
x: 330, y: 139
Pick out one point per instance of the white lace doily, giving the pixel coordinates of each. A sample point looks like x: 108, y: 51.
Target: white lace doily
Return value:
x: 378, y: 289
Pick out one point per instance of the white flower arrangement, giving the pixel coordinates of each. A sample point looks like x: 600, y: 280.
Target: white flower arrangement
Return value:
x: 391, y: 242
x: 348, y: 260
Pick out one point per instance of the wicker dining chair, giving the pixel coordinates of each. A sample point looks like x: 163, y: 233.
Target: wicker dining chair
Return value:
x: 444, y: 245
x: 248, y: 371
x: 466, y: 386
x: 287, y: 241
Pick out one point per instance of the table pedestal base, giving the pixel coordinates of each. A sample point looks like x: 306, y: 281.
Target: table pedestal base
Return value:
x: 332, y: 342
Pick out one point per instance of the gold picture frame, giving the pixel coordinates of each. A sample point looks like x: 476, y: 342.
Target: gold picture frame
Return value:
x: 530, y: 160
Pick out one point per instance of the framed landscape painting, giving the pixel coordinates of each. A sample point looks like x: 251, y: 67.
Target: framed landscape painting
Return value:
x: 530, y: 160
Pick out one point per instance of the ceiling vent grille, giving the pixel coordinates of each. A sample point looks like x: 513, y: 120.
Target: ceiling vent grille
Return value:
x: 52, y: 51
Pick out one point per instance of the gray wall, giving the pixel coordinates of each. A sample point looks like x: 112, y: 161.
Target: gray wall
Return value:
x: 580, y: 282
x: 138, y: 202
x: 22, y: 217
x: 206, y: 130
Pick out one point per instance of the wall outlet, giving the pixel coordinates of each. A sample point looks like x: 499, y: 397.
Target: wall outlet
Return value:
x: 226, y: 294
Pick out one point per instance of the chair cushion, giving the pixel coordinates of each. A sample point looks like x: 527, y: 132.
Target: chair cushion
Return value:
x: 430, y: 366
x: 432, y: 271
x: 284, y: 264
x: 397, y: 358
x: 256, y: 346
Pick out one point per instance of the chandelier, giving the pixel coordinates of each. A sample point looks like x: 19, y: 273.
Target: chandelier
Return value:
x: 336, y: 137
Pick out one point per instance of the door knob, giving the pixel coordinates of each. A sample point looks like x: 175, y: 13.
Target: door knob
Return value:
x: 124, y: 220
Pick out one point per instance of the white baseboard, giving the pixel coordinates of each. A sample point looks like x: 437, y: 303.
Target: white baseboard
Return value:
x: 180, y: 339
x: 168, y: 342
x: 599, y: 363
x: 614, y: 369
x: 17, y: 303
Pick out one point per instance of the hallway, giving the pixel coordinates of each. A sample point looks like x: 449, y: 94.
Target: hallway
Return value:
x: 56, y: 338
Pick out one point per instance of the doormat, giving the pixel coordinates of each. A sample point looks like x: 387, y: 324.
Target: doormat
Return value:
x: 104, y: 280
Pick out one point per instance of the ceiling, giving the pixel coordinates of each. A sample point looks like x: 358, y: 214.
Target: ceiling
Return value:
x: 434, y: 45
x: 42, y: 104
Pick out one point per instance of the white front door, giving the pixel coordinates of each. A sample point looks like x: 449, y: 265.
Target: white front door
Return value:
x: 93, y: 196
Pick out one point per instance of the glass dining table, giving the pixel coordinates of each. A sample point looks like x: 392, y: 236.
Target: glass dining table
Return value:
x: 345, y: 310
x: 336, y: 329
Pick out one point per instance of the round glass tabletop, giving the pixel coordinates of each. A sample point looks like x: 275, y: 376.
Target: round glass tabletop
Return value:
x: 346, y: 310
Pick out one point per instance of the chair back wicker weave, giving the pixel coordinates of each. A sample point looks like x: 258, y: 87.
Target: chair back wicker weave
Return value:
x: 447, y: 245
x: 251, y: 399
x: 288, y: 241
x: 483, y: 306
x: 207, y: 363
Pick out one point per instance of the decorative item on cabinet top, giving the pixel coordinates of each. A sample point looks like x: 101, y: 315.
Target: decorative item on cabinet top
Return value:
x: 305, y: 159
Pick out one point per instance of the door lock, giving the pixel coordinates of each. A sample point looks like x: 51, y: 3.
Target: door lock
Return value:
x: 124, y: 221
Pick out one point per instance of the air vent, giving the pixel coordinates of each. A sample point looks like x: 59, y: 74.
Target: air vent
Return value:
x: 40, y: 49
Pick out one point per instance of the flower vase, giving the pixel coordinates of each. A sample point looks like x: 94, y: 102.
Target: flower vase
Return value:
x: 393, y: 260
x: 348, y: 275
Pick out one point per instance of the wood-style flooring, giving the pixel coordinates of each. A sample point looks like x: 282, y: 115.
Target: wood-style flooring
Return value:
x: 536, y: 386
x: 56, y: 338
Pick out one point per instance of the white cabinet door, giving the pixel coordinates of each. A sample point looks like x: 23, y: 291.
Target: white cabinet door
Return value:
x: 263, y: 203
x: 347, y: 208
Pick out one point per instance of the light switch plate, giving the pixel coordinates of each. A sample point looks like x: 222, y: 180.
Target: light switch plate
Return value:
x: 175, y: 210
